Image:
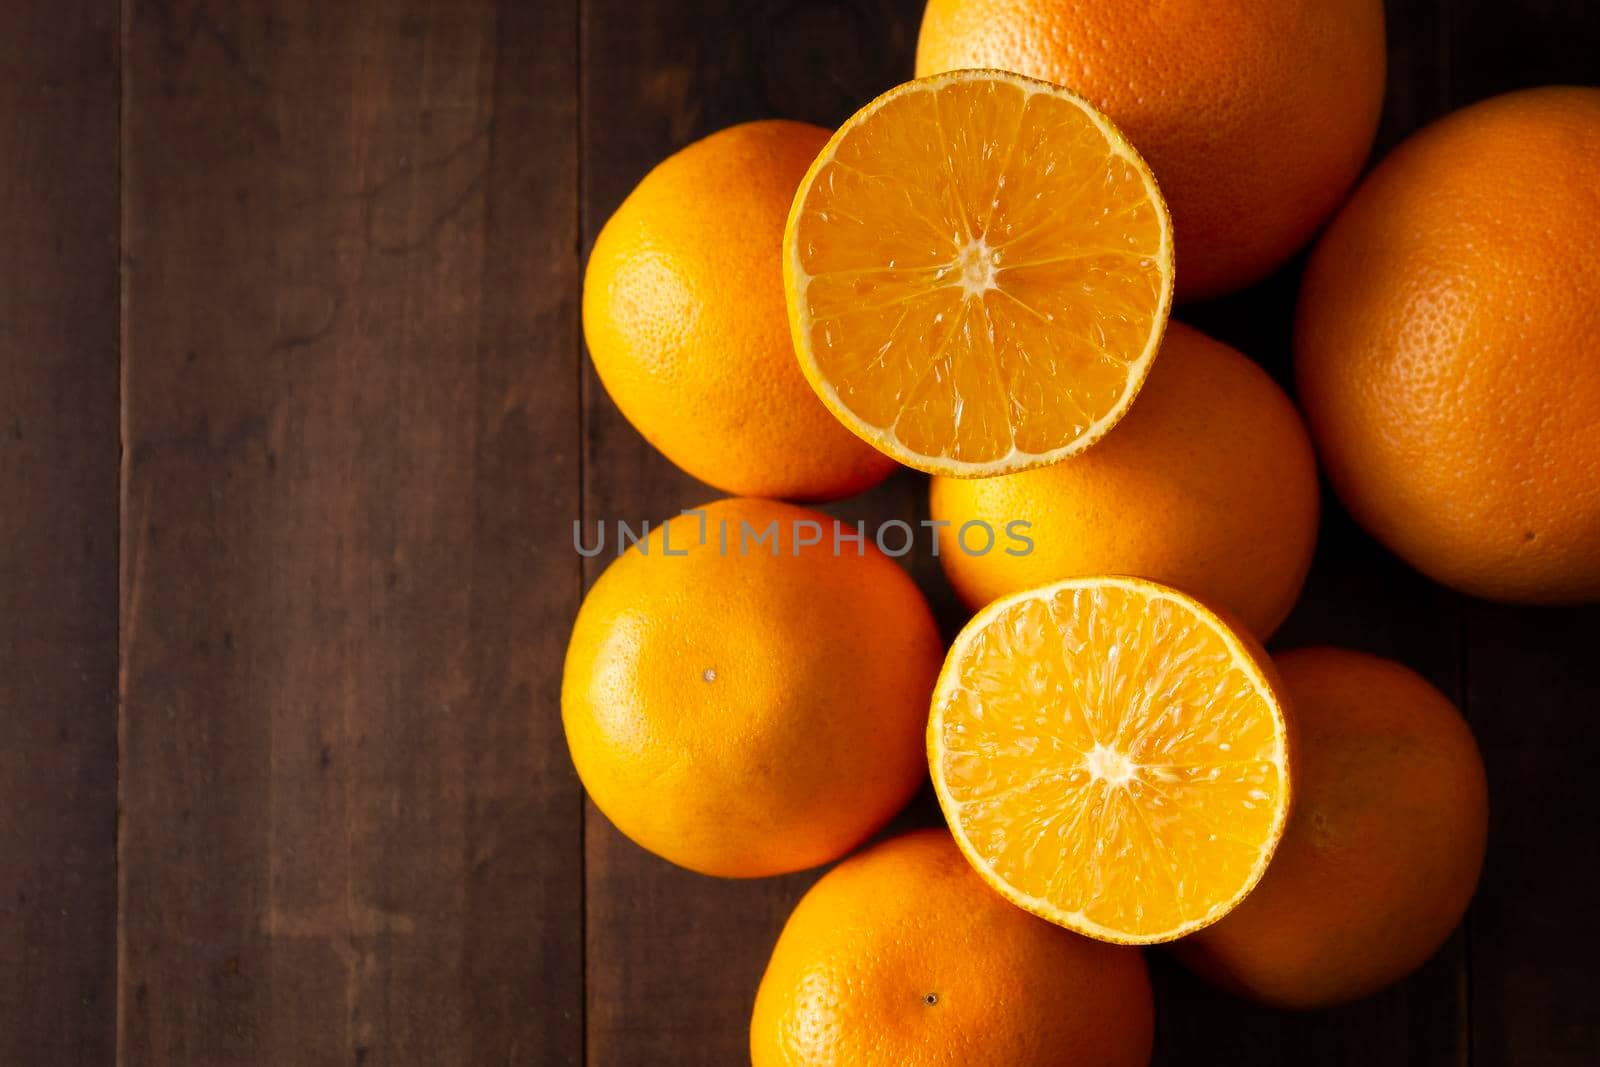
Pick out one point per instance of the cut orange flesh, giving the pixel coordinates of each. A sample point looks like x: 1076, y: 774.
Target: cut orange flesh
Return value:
x: 979, y: 269
x: 1111, y: 757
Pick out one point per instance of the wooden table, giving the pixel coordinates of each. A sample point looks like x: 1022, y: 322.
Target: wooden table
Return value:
x: 294, y: 422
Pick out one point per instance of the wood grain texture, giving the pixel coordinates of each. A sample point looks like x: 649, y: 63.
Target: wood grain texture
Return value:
x: 349, y: 829
x: 1533, y: 698
x: 58, y: 529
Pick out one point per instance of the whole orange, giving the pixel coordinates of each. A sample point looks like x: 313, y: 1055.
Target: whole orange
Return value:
x: 1208, y: 484
x: 902, y: 957
x: 1384, y: 844
x: 683, y: 310
x: 1256, y: 115
x: 1447, y: 348
x: 747, y: 707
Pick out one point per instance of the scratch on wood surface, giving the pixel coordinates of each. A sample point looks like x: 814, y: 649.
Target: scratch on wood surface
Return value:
x: 138, y: 520
x: 409, y: 207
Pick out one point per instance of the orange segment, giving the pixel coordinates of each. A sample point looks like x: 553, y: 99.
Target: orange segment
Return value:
x: 979, y: 269
x: 1111, y: 756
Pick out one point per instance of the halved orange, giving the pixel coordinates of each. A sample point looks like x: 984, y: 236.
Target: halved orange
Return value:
x: 979, y: 269
x: 1111, y: 756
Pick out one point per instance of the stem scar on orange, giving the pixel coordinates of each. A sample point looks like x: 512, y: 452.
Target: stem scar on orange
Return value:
x: 1111, y: 756
x: 978, y: 269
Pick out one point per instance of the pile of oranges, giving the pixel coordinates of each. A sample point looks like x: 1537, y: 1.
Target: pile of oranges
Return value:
x: 974, y: 277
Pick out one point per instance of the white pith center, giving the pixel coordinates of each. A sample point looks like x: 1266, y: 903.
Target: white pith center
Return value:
x: 977, y: 264
x: 1109, y: 766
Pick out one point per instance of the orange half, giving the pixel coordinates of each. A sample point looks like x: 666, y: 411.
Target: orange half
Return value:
x: 979, y: 270
x: 1111, y: 756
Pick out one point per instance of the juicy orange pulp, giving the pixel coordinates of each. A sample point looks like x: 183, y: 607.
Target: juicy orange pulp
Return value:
x: 979, y: 270
x: 1111, y: 756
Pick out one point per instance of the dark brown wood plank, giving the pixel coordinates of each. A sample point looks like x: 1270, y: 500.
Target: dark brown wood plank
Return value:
x: 1533, y: 697
x: 58, y: 530
x: 1496, y: 46
x: 350, y: 831
x: 674, y: 957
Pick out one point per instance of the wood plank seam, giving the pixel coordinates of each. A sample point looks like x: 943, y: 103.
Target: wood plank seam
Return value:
x: 581, y: 571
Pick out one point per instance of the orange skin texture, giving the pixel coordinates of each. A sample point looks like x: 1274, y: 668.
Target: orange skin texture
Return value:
x: 684, y: 314
x: 848, y: 982
x: 808, y: 735
x: 1208, y: 485
x: 1447, y: 349
x: 1384, y: 845
x: 1256, y: 115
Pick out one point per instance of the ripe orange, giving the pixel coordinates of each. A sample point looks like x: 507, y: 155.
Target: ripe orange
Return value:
x: 749, y: 714
x: 683, y: 311
x: 978, y: 270
x: 900, y: 957
x: 1384, y: 848
x: 1447, y: 349
x: 1256, y: 115
x: 1208, y: 484
x: 1111, y: 756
